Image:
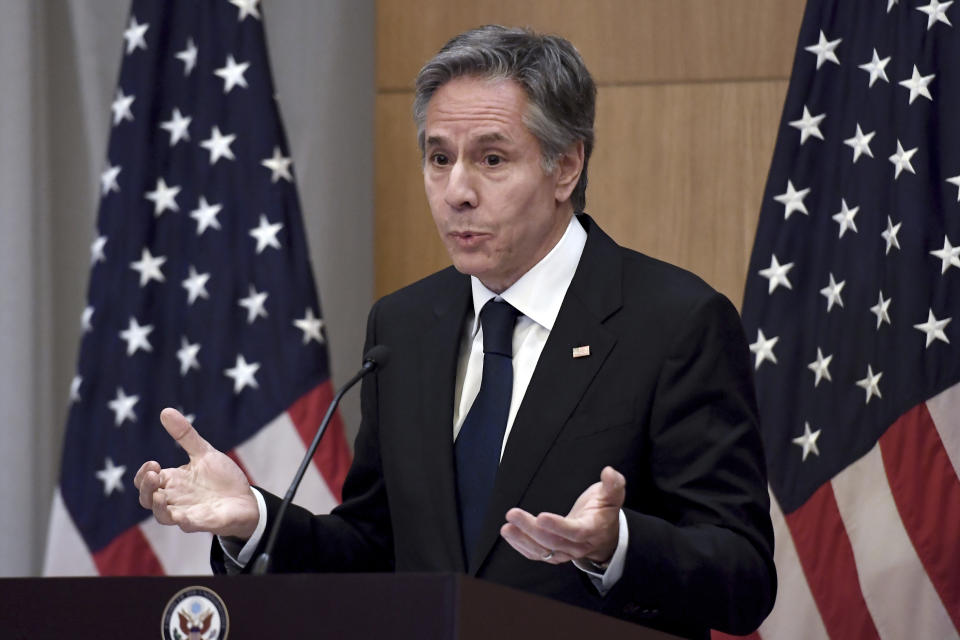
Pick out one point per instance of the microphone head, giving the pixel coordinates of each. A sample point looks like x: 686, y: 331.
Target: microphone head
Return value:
x: 377, y: 357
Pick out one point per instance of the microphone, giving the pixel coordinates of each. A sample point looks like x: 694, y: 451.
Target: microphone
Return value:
x: 376, y: 358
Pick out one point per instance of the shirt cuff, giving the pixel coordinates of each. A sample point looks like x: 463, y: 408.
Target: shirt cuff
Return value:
x: 238, y: 551
x: 604, y: 581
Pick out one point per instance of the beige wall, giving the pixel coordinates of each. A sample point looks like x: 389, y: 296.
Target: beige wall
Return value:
x: 690, y: 94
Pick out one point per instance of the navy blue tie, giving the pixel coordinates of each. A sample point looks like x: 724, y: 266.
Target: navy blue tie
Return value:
x: 478, y: 444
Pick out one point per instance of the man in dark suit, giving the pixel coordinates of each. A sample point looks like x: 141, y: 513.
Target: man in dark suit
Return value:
x: 547, y: 358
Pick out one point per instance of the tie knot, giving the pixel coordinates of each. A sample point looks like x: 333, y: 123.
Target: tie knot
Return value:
x: 498, y: 318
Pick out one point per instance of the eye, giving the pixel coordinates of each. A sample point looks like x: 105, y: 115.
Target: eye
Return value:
x: 492, y: 160
x: 439, y: 159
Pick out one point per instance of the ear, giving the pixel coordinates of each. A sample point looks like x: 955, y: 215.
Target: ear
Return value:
x: 569, y: 167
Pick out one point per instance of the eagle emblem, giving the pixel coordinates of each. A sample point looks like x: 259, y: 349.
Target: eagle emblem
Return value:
x: 195, y: 627
x: 195, y: 613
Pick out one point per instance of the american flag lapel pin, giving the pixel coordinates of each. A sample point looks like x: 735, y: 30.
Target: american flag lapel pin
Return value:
x: 581, y: 352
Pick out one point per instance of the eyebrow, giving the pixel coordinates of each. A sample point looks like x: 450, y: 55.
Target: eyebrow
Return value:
x: 486, y: 138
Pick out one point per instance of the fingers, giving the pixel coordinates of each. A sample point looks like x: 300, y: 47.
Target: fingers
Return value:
x: 533, y: 536
x: 529, y: 548
x: 184, y: 433
x: 144, y: 468
x: 158, y: 504
x: 147, y: 481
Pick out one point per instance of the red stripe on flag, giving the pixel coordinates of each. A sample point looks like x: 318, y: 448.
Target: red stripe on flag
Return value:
x: 129, y: 554
x: 233, y: 456
x: 333, y: 456
x: 927, y: 492
x: 828, y: 563
x: 719, y: 635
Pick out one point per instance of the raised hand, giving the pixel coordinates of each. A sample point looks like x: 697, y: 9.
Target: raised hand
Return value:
x: 590, y: 531
x: 209, y: 493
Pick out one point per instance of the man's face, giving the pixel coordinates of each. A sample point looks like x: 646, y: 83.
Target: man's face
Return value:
x: 497, y: 212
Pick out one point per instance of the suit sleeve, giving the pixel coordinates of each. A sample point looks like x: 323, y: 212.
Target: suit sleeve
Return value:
x: 705, y: 558
x: 356, y: 536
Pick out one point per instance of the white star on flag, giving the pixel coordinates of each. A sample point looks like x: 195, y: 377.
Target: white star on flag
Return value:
x: 936, y: 12
x: 122, y: 407
x: 820, y: 367
x: 135, y: 335
x: 177, y: 126
x: 254, y: 304
x: 825, y: 50
x: 134, y: 35
x: 808, y: 125
x: 96, y: 249
x: 845, y: 217
x: 163, y: 197
x: 232, y: 74
x: 901, y: 160
x: 876, y: 68
x: 860, y: 143
x: 75, y: 389
x: 890, y: 235
x: 792, y: 200
x: 955, y: 181
x: 808, y: 441
x: 278, y: 165
x: 188, y: 56
x: 111, y: 477
x: 148, y: 266
x: 121, y: 107
x: 266, y: 234
x: 311, y: 326
x: 243, y: 374
x: 219, y: 145
x: 776, y: 274
x: 832, y: 293
x: 949, y: 255
x: 917, y: 84
x: 187, y: 355
x: 196, y: 285
x: 870, y: 384
x: 108, y: 180
x: 206, y: 215
x: 85, y: 319
x: 934, y: 328
x: 763, y: 348
x: 247, y: 8
x: 881, y: 310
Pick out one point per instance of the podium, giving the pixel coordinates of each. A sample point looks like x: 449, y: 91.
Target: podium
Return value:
x: 340, y: 606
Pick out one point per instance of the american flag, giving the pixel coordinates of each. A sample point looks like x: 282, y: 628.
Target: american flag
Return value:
x: 201, y: 295
x: 853, y: 307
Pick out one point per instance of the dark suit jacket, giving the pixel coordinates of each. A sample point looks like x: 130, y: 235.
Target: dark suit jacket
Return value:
x: 665, y: 397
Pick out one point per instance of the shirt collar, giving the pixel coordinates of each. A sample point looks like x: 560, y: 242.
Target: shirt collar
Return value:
x: 539, y: 293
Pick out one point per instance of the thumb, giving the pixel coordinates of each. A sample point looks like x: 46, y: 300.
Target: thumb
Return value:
x: 184, y: 433
x: 613, y: 487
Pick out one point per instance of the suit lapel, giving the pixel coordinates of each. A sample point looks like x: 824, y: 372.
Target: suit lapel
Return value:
x: 559, y: 380
x: 438, y: 350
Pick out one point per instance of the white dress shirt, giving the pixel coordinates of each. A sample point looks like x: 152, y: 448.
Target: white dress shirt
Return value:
x: 538, y: 296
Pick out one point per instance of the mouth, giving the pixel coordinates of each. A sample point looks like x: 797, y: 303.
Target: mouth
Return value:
x: 467, y: 238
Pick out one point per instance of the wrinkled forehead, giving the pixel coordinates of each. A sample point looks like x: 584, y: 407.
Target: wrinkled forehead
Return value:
x: 483, y: 109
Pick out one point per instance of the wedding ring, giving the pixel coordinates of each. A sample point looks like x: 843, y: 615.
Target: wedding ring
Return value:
x: 547, y: 556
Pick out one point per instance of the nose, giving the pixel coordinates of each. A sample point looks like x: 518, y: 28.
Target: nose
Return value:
x: 461, y: 192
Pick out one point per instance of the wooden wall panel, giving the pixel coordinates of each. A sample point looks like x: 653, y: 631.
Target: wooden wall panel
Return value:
x: 679, y: 171
x: 623, y: 41
x: 406, y: 244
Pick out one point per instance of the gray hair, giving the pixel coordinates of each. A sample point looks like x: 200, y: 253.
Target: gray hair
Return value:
x: 562, y: 95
